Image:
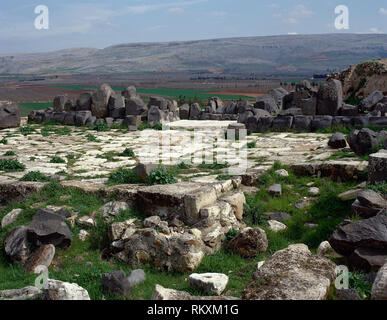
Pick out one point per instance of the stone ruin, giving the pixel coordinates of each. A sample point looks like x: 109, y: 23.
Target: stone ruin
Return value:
x: 125, y: 108
x: 305, y: 110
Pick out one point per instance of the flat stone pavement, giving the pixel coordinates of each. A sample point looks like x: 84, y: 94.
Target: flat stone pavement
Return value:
x: 95, y: 160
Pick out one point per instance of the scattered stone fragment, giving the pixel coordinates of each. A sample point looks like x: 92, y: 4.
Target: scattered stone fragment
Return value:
x: 377, y: 168
x: 249, y: 242
x: 117, y: 229
x: 43, y: 256
x: 16, y: 245
x: 136, y: 276
x: 337, y: 141
x: 237, y: 201
x: 313, y: 191
x: 180, y: 251
x: 161, y: 293
x: 260, y: 264
x: 357, y: 209
x: 310, y: 225
x: 347, y: 294
x: 275, y: 190
x: 27, y: 293
x: 113, y: 208
x: 379, y: 288
x: 371, y: 199
x: 302, y: 205
x: 278, y: 216
x: 349, y: 195
x: 293, y: 273
x: 86, y: 222
x: 58, y: 290
x: 364, y: 242
x: 10, y: 217
x: 276, y: 226
x: 48, y: 227
x: 83, y: 234
x: 282, y: 173
x: 152, y: 222
x: 323, y: 248
x: 116, y: 283
x: 210, y: 283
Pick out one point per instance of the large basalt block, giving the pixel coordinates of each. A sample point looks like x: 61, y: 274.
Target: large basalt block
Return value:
x: 100, y: 100
x: 342, y: 121
x: 81, y: 117
x: 330, y: 98
x: 377, y: 167
x: 360, y: 122
x: 378, y: 122
x: 265, y: 124
x: 302, y: 123
x: 135, y: 106
x: 308, y: 106
x: 252, y: 124
x: 282, y: 123
x: 10, y: 116
x: 321, y: 122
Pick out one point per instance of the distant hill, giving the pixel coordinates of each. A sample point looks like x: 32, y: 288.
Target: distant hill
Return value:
x: 289, y: 54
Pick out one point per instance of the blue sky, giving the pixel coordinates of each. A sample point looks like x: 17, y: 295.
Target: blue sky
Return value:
x: 98, y: 24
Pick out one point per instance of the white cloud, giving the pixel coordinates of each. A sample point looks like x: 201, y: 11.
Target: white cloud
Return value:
x: 155, y: 28
x: 219, y: 13
x: 290, y: 20
x: 375, y: 30
x: 292, y: 33
x: 295, y: 14
x: 176, y: 10
x: 383, y: 11
x: 273, y: 6
x: 140, y: 9
x: 301, y: 11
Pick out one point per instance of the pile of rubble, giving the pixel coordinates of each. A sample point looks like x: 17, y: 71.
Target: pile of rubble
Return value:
x: 307, y: 109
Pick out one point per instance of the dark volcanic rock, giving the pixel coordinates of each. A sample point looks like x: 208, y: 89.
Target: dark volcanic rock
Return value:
x: 10, y: 116
x: 372, y: 199
x: 116, y: 283
x: 282, y: 123
x: 184, y: 112
x: 321, y: 122
x: 195, y: 111
x: 349, y: 110
x: 16, y: 245
x: 366, y: 236
x: 302, y: 123
x: 347, y: 294
x: 135, y: 106
x: 48, y: 227
x: 363, y: 141
x: 83, y: 102
x: 100, y: 100
x: 371, y: 101
x: 330, y: 98
x: 337, y: 141
x: 268, y: 103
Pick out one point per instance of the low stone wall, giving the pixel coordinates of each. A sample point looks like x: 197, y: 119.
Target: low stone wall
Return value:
x: 311, y: 123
